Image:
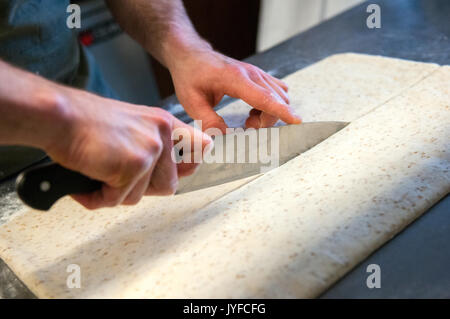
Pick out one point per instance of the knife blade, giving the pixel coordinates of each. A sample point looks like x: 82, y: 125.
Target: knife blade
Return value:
x: 292, y: 140
x: 42, y: 185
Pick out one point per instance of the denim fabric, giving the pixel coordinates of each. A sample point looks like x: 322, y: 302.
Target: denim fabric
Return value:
x: 34, y: 36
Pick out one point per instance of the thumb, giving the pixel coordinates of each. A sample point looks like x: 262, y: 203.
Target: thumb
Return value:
x: 196, y: 138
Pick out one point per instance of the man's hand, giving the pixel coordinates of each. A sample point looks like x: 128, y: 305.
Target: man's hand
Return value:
x: 128, y: 147
x: 203, y: 77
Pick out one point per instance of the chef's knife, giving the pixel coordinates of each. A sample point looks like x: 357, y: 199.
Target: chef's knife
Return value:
x: 42, y: 185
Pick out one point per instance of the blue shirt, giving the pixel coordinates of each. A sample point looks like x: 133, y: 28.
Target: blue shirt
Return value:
x: 34, y: 36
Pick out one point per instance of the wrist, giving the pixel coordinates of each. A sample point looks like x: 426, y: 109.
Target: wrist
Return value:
x: 52, y: 114
x: 179, y: 47
x: 33, y: 111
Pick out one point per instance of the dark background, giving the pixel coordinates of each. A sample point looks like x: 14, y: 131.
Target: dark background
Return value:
x: 231, y: 27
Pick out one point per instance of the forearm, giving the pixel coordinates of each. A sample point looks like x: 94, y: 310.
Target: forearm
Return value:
x: 201, y: 76
x: 161, y: 26
x: 31, y: 109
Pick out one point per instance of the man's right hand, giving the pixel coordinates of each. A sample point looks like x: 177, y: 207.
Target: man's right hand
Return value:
x: 126, y: 146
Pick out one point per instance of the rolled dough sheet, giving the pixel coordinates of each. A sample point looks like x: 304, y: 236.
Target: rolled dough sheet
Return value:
x: 39, y: 246
x: 342, y: 87
x: 332, y: 206
x: 296, y: 230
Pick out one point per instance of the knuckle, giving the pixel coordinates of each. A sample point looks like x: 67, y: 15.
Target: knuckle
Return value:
x: 253, y: 73
x: 161, y: 118
x: 111, y: 201
x: 164, y: 121
x: 115, y: 172
x: 235, y: 69
x: 156, y: 147
x: 137, y: 162
x: 266, y: 95
x: 164, y: 124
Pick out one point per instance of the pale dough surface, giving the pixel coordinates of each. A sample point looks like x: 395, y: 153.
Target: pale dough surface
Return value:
x: 296, y: 230
x: 107, y: 243
x: 343, y: 87
x: 290, y: 233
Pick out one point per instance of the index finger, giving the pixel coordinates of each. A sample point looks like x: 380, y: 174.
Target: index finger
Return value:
x: 262, y: 99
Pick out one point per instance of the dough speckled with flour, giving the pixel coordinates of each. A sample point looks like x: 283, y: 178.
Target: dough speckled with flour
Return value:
x: 343, y: 87
x: 110, y: 245
x: 290, y: 233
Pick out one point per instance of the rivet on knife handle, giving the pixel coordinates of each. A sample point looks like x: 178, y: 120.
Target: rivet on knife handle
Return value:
x: 42, y: 185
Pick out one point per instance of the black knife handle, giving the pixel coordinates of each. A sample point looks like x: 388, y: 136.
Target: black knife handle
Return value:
x: 42, y: 185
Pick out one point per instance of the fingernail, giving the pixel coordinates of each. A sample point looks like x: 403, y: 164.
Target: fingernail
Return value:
x: 295, y: 114
x: 299, y: 119
x: 174, y: 187
x: 208, y: 148
x: 288, y: 98
x: 196, y: 168
x: 208, y: 138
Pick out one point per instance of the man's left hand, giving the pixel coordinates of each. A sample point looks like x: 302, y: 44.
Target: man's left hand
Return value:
x: 203, y: 77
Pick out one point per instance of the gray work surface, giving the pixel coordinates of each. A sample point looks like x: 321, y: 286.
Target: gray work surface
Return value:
x: 415, y: 263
